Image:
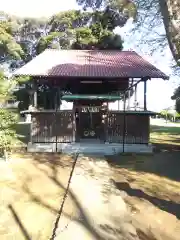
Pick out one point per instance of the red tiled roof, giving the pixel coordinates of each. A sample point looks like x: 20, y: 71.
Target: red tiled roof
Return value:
x: 90, y: 63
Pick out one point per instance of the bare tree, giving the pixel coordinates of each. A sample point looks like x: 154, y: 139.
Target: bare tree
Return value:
x: 170, y: 10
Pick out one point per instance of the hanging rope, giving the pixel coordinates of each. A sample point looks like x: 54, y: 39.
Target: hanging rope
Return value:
x: 64, y: 199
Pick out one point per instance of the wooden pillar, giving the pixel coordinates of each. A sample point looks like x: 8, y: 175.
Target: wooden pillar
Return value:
x: 128, y: 104
x: 31, y: 130
x: 124, y: 104
x: 56, y: 119
x: 34, y: 87
x: 104, y: 119
x: 129, y: 93
x: 74, y: 123
x: 118, y: 105
x: 135, y: 97
x: 76, y: 112
x: 35, y: 98
x: 31, y: 98
x: 129, y: 96
x: 124, y: 123
x: 58, y: 98
x: 145, y: 93
x: 45, y: 100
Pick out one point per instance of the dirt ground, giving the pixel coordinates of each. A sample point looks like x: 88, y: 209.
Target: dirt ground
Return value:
x: 32, y: 187
x: 150, y: 185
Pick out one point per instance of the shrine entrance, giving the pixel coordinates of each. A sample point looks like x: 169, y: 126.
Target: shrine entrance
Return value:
x: 89, y: 122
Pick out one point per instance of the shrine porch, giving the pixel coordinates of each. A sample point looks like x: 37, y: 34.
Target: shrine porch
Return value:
x: 58, y: 132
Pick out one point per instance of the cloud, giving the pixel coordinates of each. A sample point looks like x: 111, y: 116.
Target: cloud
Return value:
x: 36, y: 8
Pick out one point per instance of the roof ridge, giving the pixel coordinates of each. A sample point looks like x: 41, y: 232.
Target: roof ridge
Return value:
x: 97, y: 50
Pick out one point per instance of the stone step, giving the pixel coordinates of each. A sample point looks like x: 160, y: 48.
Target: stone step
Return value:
x: 90, y: 148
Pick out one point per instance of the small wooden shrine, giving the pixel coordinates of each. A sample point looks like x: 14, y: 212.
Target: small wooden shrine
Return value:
x: 90, y: 79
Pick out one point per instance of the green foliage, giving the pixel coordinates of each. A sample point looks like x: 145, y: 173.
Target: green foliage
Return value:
x: 47, y: 41
x: 69, y: 20
x: 111, y: 41
x: 7, y: 118
x: 84, y: 37
x: 7, y: 133
x: 99, y: 34
x: 30, y: 28
x: 69, y: 29
x: 22, y: 79
x: 129, y: 7
x: 14, y: 50
x: 72, y: 26
x: 169, y: 114
x: 17, y: 34
x: 8, y: 46
x: 65, y: 43
x: 5, y: 88
x: 21, y: 94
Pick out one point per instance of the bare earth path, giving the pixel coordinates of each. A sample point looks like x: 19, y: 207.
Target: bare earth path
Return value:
x: 102, y: 212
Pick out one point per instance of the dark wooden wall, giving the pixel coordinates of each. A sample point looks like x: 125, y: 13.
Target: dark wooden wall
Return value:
x: 136, y: 128
x: 48, y: 127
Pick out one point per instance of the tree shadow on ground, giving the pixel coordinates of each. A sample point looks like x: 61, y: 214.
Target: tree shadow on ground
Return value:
x: 83, y: 218
x: 19, y: 222
x: 169, y: 146
x: 165, y: 161
x: 170, y: 130
x: 143, y: 236
x: 55, y: 163
x: 168, y: 206
x: 53, y: 160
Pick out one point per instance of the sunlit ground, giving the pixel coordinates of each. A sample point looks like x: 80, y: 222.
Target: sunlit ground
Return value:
x: 151, y: 184
x: 31, y: 196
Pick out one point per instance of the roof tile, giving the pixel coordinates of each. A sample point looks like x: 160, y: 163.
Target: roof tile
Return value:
x: 90, y: 63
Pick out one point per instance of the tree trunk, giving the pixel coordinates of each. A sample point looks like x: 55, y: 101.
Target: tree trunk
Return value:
x: 170, y: 10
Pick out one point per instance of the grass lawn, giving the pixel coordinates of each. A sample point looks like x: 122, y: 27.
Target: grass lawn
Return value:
x: 168, y: 135
x: 151, y: 184
x: 31, y: 193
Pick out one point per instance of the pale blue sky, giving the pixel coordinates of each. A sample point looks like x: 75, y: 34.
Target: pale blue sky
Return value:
x: 36, y: 8
x: 159, y: 91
